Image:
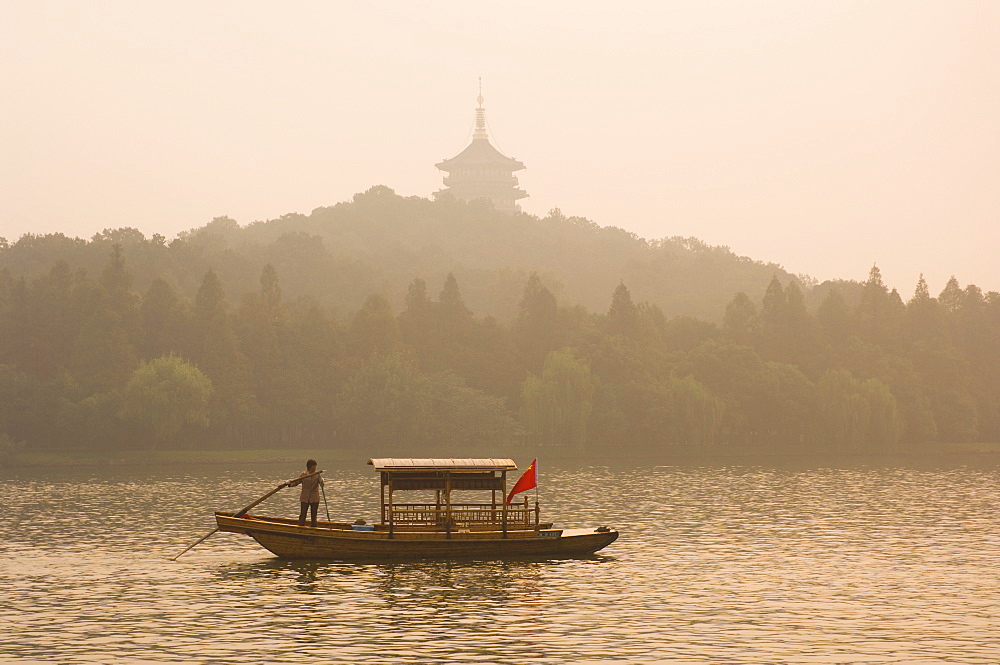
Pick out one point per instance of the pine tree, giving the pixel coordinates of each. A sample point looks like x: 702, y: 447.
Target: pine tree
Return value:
x: 623, y: 317
x: 454, y: 318
x: 270, y: 293
x: 951, y: 297
x: 773, y: 310
x: 163, y: 321
x: 834, y: 318
x: 208, y: 300
x: 417, y: 324
x: 537, y: 329
x: 879, y: 313
x: 741, y: 323
x: 117, y: 283
x: 924, y: 319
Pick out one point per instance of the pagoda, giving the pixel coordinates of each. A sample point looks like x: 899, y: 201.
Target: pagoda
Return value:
x: 481, y: 171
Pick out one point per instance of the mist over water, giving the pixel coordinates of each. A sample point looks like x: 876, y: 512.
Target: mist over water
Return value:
x: 832, y: 563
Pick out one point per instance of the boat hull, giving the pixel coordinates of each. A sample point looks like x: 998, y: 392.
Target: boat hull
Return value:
x: 285, y: 539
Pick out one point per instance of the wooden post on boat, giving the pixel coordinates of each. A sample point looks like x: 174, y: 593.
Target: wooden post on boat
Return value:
x: 241, y: 513
x: 381, y: 488
x: 493, y: 505
x: 391, y: 521
x: 503, y: 477
x: 447, y: 504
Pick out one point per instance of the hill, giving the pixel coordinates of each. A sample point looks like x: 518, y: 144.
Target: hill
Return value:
x: 379, y: 242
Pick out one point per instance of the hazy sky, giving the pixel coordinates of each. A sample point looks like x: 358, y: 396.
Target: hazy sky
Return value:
x: 823, y: 136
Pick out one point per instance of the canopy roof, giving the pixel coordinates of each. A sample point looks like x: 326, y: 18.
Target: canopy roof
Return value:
x: 436, y: 464
x: 480, y: 153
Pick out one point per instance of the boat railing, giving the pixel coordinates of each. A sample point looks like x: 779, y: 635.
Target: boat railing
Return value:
x: 463, y: 514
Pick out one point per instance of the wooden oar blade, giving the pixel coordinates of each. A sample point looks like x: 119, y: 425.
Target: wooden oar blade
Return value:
x: 197, y: 542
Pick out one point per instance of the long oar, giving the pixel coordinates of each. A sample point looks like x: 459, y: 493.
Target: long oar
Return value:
x: 241, y: 513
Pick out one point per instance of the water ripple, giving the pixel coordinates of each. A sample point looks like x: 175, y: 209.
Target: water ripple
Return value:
x: 727, y: 564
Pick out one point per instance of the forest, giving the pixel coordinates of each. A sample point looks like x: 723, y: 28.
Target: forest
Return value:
x: 448, y: 328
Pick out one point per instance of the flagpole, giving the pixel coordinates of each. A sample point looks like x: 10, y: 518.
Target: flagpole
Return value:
x: 536, y: 480
x: 536, y: 493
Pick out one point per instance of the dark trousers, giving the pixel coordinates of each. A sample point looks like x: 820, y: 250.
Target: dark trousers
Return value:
x: 314, y: 507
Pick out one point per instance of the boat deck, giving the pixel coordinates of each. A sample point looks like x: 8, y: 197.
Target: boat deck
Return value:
x: 340, y: 540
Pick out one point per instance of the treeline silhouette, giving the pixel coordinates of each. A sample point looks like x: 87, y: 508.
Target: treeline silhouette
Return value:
x: 88, y: 360
x: 379, y: 241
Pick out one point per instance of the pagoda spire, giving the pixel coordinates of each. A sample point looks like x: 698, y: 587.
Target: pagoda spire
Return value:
x: 481, y: 171
x: 480, y: 133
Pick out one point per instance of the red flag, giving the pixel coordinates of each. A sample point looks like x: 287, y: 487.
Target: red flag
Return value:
x: 527, y: 480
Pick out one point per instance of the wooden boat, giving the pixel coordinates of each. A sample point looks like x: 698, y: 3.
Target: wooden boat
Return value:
x: 442, y: 529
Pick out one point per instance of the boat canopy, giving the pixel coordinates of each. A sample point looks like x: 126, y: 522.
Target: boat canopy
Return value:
x: 475, y: 465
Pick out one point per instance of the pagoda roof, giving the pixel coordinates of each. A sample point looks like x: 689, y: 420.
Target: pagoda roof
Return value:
x: 480, y: 153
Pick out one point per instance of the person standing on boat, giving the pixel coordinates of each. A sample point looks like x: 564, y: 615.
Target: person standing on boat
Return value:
x: 309, y: 497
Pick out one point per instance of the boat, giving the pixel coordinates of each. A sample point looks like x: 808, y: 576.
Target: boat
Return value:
x: 442, y: 529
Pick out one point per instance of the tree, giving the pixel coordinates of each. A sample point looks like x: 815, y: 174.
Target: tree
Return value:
x: 841, y: 422
x: 417, y: 301
x: 951, y: 297
x: 373, y: 329
x: 216, y: 351
x: 389, y: 406
x: 454, y: 319
x: 741, y: 323
x: 208, y: 300
x: 315, y: 352
x: 946, y: 374
x: 879, y: 313
x: 233, y: 400
x: 103, y: 355
x: 416, y: 323
x: 164, y: 395
x: 623, y: 316
x: 694, y: 414
x: 451, y: 300
x: 788, y: 332
x: 44, y: 321
x: 854, y: 416
x: 555, y: 407
x: 885, y: 423
x: 772, y: 313
x: 924, y: 319
x: 260, y: 323
x: 537, y: 329
x: 836, y: 322
x: 382, y: 406
x: 117, y: 283
x: 163, y: 321
x: 866, y: 361
x: 460, y: 417
x: 738, y: 376
x: 270, y: 293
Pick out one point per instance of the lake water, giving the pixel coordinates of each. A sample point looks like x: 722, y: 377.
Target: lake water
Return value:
x: 717, y: 563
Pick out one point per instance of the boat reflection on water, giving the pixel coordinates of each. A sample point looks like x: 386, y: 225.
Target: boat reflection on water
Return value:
x: 442, y: 583
x: 429, y: 581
